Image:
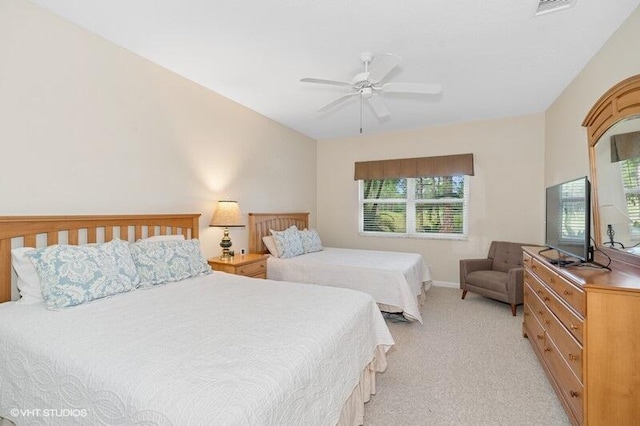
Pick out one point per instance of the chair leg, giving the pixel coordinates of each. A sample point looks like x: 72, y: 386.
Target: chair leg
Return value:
x: 464, y: 293
x: 513, y: 310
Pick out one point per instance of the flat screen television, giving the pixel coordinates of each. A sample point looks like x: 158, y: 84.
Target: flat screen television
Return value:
x: 568, y: 225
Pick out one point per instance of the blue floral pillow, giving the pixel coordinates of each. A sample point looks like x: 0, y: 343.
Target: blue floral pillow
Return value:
x: 71, y: 275
x: 310, y: 240
x: 159, y: 262
x: 288, y: 242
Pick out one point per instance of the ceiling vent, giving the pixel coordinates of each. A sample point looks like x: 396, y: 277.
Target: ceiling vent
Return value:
x: 547, y: 6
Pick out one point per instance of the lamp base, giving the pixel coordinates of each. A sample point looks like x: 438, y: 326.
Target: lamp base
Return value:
x: 225, y: 244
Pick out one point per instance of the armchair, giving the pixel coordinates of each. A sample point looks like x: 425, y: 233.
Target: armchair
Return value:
x: 499, y: 276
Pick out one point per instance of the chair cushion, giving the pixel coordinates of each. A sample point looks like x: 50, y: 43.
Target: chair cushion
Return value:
x: 507, y: 256
x: 490, y: 280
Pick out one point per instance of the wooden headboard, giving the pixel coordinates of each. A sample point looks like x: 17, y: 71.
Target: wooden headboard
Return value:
x: 261, y: 223
x: 43, y: 231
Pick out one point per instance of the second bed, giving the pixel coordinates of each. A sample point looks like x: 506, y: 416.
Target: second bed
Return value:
x: 397, y: 281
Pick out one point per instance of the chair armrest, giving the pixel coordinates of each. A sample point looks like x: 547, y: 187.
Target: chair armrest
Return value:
x: 468, y: 266
x: 515, y: 285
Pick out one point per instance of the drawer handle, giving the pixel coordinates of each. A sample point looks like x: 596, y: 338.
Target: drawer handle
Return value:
x: 567, y: 293
x: 551, y: 279
x: 547, y: 322
x: 574, y: 394
x: 540, y: 336
x: 526, y: 314
x: 534, y: 266
x: 540, y: 312
x: 546, y: 299
x: 572, y: 326
x: 539, y: 291
x: 573, y: 357
x: 547, y: 349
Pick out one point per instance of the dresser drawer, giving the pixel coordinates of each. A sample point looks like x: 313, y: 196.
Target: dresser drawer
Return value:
x: 253, y: 269
x: 573, y: 295
x: 570, y: 387
x: 539, y: 298
x: 534, y: 329
x: 535, y: 304
x: 536, y: 285
x: 567, y: 317
x: 526, y: 260
x: 567, y: 345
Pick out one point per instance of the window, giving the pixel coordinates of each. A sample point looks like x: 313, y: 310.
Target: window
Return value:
x: 630, y: 169
x: 428, y: 207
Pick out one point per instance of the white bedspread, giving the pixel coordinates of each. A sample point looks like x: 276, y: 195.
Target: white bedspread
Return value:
x: 392, y: 278
x: 213, y: 350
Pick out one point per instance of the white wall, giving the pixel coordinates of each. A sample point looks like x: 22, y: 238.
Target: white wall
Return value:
x: 87, y: 127
x: 566, y: 153
x: 507, y: 191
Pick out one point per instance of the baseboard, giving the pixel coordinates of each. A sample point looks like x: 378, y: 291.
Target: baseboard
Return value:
x: 445, y: 284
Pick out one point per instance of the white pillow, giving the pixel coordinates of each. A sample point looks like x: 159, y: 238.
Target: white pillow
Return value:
x: 270, y: 242
x: 288, y: 242
x: 310, y: 240
x: 28, y: 280
x: 178, y: 237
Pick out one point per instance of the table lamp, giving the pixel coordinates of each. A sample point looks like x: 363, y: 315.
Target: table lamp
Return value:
x: 226, y: 215
x: 611, y: 215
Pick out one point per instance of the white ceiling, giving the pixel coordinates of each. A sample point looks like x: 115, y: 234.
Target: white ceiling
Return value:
x: 493, y: 58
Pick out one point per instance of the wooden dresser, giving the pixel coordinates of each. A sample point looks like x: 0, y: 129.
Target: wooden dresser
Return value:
x: 584, y: 326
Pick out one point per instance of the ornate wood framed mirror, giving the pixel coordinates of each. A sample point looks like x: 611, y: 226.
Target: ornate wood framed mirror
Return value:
x: 613, y: 131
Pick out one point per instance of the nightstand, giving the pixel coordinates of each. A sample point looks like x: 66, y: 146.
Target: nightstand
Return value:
x: 250, y: 265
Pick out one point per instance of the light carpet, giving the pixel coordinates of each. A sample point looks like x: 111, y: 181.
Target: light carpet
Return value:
x: 467, y: 365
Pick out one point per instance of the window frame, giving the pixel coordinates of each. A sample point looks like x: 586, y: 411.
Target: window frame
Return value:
x: 410, y: 207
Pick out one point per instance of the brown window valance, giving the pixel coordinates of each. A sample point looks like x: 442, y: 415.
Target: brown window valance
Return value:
x: 625, y: 146
x: 446, y: 165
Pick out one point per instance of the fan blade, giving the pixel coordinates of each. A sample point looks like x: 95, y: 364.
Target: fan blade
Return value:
x: 337, y: 101
x: 379, y: 107
x: 322, y: 81
x: 425, y: 89
x: 382, y: 65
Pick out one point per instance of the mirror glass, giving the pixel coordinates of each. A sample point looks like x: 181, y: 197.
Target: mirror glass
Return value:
x: 617, y: 166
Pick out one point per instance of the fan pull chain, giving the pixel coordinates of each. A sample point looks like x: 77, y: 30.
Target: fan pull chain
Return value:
x: 360, y: 114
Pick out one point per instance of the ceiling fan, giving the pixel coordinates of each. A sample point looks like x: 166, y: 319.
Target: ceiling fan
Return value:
x: 367, y: 84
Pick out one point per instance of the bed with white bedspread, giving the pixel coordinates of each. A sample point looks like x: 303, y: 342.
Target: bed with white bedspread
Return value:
x: 211, y: 349
x: 397, y: 281
x: 216, y: 349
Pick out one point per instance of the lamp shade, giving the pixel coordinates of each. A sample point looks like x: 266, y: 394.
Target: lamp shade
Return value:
x: 610, y: 214
x: 227, y: 215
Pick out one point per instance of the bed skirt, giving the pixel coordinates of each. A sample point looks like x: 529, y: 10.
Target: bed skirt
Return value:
x: 352, y: 413
x: 422, y: 297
